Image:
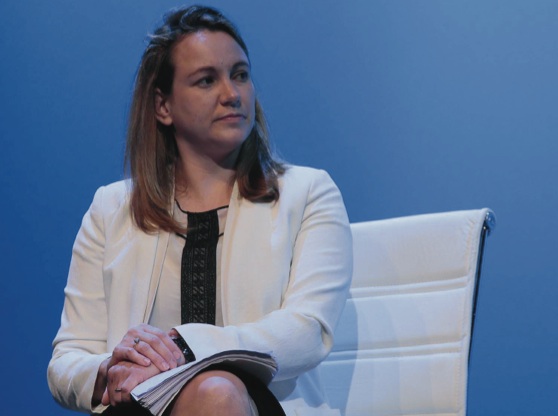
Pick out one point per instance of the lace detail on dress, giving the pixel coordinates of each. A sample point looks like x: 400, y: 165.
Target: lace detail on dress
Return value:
x: 198, y: 268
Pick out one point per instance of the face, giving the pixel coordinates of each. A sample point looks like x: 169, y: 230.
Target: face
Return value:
x: 212, y: 102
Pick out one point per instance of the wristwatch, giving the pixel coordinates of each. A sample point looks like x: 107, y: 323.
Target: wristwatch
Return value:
x: 185, y: 348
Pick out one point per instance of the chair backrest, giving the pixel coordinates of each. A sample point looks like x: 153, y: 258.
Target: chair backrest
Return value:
x: 402, y: 344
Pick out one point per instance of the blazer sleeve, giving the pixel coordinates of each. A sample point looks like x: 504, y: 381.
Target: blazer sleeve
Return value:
x: 80, y: 344
x: 299, y: 334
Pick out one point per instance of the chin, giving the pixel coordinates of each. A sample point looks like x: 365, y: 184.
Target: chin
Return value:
x: 228, y: 147
x: 231, y: 140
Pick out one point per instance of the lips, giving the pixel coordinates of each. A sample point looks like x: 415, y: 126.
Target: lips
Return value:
x: 231, y: 117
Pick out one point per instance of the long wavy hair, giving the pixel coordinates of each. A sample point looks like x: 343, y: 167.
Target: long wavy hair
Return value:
x: 151, y: 150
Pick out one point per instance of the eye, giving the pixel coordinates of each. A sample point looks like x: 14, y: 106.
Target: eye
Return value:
x: 242, y: 76
x: 205, y: 81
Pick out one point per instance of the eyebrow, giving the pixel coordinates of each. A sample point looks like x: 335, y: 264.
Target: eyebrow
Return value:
x: 209, y: 68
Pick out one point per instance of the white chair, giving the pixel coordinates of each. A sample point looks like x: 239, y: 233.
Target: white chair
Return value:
x: 402, y: 344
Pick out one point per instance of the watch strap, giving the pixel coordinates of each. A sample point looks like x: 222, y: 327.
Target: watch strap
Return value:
x: 185, y: 348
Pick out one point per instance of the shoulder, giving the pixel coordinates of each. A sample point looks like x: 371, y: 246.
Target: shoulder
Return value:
x: 307, y: 191
x: 112, y: 196
x: 303, y: 177
x: 305, y: 180
x: 112, y: 202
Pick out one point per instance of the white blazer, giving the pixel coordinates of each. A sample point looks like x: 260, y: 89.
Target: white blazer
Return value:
x: 286, y: 268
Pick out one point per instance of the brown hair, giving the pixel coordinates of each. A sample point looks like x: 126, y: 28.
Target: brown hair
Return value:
x: 151, y: 150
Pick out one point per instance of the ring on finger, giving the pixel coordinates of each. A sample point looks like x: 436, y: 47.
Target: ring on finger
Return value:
x: 118, y: 389
x: 136, y: 341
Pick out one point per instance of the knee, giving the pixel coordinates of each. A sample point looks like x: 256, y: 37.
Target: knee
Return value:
x: 219, y: 386
x: 214, y: 393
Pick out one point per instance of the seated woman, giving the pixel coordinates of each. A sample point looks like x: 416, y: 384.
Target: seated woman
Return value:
x: 212, y: 244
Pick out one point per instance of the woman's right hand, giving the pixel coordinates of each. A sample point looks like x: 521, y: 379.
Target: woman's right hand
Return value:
x: 122, y: 378
x: 145, y: 345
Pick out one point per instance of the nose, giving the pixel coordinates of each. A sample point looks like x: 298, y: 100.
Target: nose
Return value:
x: 230, y: 96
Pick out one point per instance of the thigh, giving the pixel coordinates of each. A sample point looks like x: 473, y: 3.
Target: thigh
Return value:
x: 261, y: 400
x: 264, y: 400
x: 131, y: 409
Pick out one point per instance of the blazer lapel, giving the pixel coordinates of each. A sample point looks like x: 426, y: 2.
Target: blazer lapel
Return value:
x: 162, y: 244
x: 249, y: 287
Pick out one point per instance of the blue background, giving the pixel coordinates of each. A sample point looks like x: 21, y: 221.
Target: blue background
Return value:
x: 412, y: 106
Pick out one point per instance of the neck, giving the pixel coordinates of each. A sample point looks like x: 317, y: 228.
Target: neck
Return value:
x: 202, y: 184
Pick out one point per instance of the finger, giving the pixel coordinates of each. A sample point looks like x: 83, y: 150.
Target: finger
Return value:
x: 167, y: 341
x: 151, y: 349
x: 124, y: 353
x: 158, y: 339
x: 123, y: 396
x: 111, y: 395
x: 116, y: 391
x: 115, y: 396
x: 129, y: 376
x: 105, y: 401
x: 160, y: 346
x: 160, y: 349
x: 129, y: 384
x: 115, y: 376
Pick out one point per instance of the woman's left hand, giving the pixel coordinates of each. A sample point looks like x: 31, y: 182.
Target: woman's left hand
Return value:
x: 145, y: 345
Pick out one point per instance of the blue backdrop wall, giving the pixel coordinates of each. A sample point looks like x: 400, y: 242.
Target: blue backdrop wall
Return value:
x: 413, y: 107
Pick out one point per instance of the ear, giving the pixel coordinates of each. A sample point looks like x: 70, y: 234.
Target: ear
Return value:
x: 162, y: 108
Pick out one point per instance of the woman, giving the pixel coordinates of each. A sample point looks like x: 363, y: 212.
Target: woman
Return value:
x: 212, y: 245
